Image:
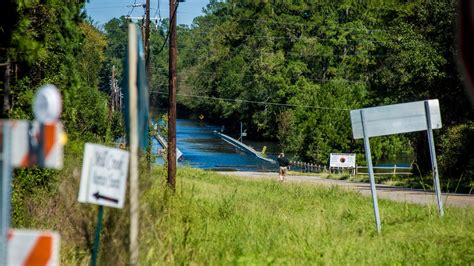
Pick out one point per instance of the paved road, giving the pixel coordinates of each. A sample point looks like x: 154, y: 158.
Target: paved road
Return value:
x: 383, y: 191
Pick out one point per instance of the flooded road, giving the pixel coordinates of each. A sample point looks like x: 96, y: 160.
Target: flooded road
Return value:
x: 202, y: 148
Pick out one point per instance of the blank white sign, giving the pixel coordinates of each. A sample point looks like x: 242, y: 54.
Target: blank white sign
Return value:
x: 395, y: 119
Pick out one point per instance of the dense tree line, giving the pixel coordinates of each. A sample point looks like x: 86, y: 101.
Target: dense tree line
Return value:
x: 51, y: 42
x: 316, y: 60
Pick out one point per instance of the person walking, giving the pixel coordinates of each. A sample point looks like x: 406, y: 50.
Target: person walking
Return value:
x: 284, y: 163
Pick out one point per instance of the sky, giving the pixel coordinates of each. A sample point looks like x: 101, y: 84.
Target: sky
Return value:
x: 102, y: 11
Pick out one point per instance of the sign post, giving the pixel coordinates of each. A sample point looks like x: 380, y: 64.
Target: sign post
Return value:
x: 396, y: 119
x: 368, y: 157
x: 5, y: 196
x: 98, y: 228
x: 434, y: 163
x: 103, y: 182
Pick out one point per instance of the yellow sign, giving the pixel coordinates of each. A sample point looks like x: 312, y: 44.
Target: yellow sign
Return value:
x: 201, y: 117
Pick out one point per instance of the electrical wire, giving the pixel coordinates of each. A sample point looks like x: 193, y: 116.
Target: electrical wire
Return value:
x: 254, y: 102
x: 169, y: 29
x: 157, y: 11
x: 133, y: 7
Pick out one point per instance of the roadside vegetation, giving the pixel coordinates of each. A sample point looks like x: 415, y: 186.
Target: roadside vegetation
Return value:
x: 214, y: 219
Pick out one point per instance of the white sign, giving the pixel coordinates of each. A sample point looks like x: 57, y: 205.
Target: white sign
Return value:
x: 104, y: 176
x: 28, y: 247
x: 395, y: 119
x: 342, y: 160
x: 47, y: 105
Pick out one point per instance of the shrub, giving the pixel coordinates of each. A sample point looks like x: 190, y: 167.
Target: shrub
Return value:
x: 456, y: 157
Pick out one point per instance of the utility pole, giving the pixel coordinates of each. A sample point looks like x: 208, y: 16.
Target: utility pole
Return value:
x: 113, y: 90
x: 147, y: 36
x: 148, y: 75
x: 172, y: 98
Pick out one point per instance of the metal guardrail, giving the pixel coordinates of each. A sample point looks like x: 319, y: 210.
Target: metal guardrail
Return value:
x: 316, y: 168
x: 164, y: 144
x: 241, y: 145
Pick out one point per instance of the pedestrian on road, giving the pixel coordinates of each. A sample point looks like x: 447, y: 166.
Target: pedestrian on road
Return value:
x: 284, y: 163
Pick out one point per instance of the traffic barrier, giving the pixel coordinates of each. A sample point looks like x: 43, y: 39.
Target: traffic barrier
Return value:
x: 37, y: 144
x: 33, y: 248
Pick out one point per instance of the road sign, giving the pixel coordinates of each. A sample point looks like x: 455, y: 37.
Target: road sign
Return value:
x: 395, y: 119
x: 342, y: 160
x: 47, y: 105
x: 37, y: 144
x: 33, y: 248
x: 104, y: 176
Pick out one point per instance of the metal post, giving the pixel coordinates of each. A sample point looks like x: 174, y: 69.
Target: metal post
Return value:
x: 172, y: 99
x: 241, y: 137
x: 371, y: 172
x: 134, y: 211
x: 5, y: 191
x: 434, y: 164
x: 40, y: 149
x: 98, y: 228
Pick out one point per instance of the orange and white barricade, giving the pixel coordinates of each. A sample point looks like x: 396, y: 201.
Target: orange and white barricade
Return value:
x: 35, y: 144
x: 28, y: 248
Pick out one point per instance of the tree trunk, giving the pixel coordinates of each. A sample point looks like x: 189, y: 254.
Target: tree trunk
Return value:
x: 6, y: 90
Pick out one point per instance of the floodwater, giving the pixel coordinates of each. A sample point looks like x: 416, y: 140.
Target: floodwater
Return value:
x: 202, y: 148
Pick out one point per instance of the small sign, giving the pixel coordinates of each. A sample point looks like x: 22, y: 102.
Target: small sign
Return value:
x: 28, y: 247
x: 347, y: 160
x: 395, y: 119
x: 201, y: 117
x: 104, y: 176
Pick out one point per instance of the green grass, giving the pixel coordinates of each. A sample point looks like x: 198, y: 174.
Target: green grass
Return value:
x: 214, y: 219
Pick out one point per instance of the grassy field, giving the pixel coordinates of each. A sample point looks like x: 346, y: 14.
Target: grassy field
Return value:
x: 213, y: 219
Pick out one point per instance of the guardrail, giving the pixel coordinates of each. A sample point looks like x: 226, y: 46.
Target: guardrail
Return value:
x: 164, y: 144
x: 391, y: 170
x: 358, y: 170
x: 309, y: 167
x: 244, y: 147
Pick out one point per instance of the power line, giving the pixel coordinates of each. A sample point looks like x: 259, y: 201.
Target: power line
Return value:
x: 169, y: 29
x: 254, y: 102
x: 133, y: 7
x: 317, y: 39
x: 306, y: 23
x: 320, y: 81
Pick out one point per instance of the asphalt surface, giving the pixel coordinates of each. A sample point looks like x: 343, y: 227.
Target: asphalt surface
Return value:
x: 383, y: 191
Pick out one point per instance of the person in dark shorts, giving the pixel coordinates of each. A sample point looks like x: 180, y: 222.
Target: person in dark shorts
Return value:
x: 284, y: 163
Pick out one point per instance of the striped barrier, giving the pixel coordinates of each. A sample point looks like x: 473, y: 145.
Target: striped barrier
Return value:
x: 33, y: 248
x: 36, y: 145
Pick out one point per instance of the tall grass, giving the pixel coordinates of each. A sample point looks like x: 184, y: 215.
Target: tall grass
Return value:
x: 214, y: 219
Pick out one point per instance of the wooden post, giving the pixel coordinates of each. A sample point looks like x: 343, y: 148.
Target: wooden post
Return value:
x: 172, y: 99
x: 132, y: 84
